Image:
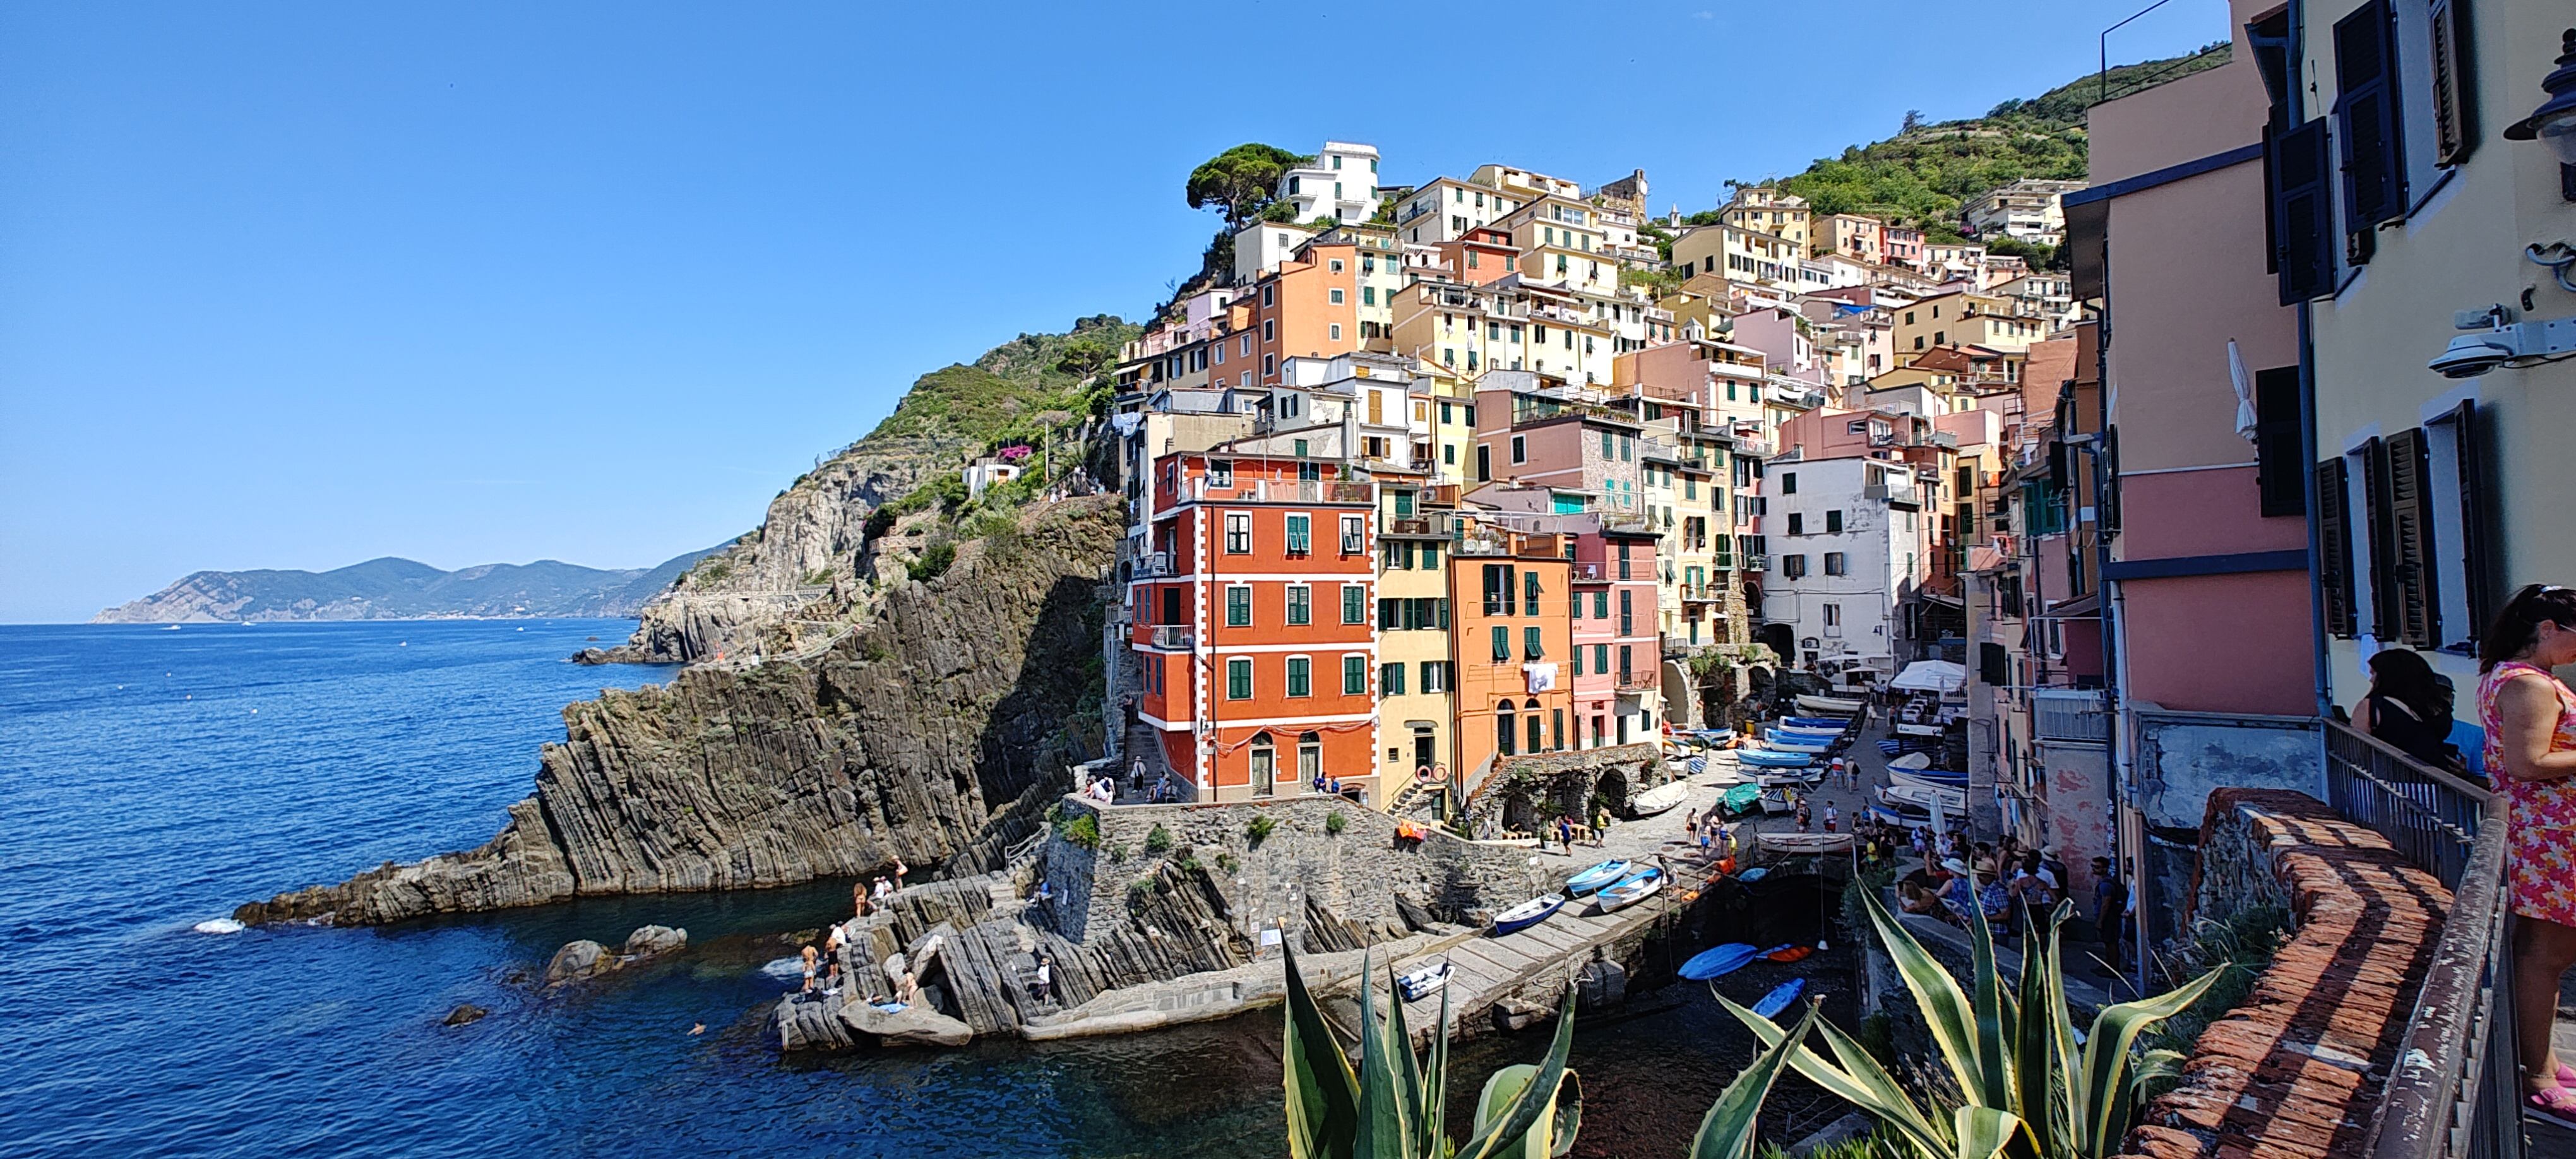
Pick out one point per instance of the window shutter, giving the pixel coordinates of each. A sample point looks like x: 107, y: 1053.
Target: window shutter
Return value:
x: 2478, y: 570
x: 2276, y: 441
x: 2374, y: 169
x: 2455, y: 116
x: 2301, y: 216
x: 2334, y: 547
x: 2375, y: 536
x: 2410, y: 524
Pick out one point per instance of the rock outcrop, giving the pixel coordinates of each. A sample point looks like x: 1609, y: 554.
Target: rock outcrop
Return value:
x: 934, y: 733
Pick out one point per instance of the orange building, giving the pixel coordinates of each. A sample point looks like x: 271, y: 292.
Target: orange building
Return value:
x: 1307, y: 308
x: 1252, y: 617
x: 1510, y: 640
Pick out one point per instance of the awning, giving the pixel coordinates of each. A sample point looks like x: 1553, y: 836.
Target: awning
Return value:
x: 1931, y: 676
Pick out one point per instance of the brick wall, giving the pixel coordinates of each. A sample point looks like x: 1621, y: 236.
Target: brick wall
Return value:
x: 2297, y: 1069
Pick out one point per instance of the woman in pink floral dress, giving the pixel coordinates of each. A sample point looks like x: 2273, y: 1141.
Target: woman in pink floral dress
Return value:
x: 2530, y: 721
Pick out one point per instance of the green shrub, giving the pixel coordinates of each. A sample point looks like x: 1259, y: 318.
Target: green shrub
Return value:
x: 1083, y: 831
x: 1159, y: 841
x: 1259, y: 829
x: 879, y: 522
x: 1334, y: 823
x: 1117, y: 853
x: 934, y: 561
x: 1228, y: 862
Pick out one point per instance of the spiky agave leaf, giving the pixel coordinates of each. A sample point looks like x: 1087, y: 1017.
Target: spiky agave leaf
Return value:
x: 1946, y: 1009
x: 1859, y: 1080
x: 1514, y: 1120
x: 2107, y: 1091
x: 1409, y: 1083
x: 1384, y: 1131
x: 2033, y: 1038
x: 1987, y: 1133
x: 1435, y: 1089
x: 1726, y: 1132
x: 1323, y: 1094
x: 1552, y: 1134
x: 1993, y: 1085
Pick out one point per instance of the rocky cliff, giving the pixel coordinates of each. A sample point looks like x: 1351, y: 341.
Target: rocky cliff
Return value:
x: 935, y: 732
x: 810, y: 559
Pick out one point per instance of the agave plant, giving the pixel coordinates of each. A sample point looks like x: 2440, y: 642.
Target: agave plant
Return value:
x: 1394, y: 1106
x: 2024, y: 1088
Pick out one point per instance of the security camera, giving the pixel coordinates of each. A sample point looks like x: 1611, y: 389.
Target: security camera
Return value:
x: 2469, y: 356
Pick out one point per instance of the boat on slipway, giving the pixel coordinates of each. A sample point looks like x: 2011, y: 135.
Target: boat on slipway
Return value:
x: 1659, y: 799
x: 1599, y: 876
x: 1834, y: 724
x: 1718, y: 961
x: 1643, y: 884
x: 1528, y: 913
x: 1830, y: 705
x: 1808, y: 842
x: 1774, y: 759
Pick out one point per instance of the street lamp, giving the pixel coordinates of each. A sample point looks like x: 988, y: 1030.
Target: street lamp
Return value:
x: 2554, y: 122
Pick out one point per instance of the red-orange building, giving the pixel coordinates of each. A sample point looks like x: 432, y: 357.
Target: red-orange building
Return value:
x: 1511, y: 640
x: 1252, y: 617
x: 1306, y: 309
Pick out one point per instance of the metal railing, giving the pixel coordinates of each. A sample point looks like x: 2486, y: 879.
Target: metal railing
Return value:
x: 2455, y: 1087
x: 2079, y: 715
x: 1174, y: 636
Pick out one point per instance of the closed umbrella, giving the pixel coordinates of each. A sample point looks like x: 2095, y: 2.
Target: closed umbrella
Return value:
x: 2246, y: 420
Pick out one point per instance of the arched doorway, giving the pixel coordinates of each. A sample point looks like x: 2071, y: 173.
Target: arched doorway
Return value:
x: 1265, y: 764
x: 1506, y: 738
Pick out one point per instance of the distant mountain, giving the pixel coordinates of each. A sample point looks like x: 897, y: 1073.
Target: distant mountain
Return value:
x: 402, y: 589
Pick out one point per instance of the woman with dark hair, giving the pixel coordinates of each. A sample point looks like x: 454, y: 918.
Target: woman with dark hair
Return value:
x: 2530, y: 718
x: 2408, y: 708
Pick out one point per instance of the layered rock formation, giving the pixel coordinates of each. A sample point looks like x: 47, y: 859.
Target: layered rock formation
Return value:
x: 933, y: 733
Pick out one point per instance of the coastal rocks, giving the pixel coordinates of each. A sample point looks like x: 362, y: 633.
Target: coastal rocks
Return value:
x: 465, y: 1014
x: 930, y: 735
x: 914, y: 1025
x: 650, y: 940
x: 578, y: 960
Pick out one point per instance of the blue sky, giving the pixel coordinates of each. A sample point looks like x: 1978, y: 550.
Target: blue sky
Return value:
x: 301, y: 285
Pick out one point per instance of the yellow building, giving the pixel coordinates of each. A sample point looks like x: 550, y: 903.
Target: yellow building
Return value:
x: 1964, y: 319
x: 1763, y: 209
x: 1415, y: 678
x: 1469, y: 330
x: 1739, y: 255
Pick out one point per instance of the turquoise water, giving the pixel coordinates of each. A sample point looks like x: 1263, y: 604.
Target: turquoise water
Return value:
x: 150, y: 780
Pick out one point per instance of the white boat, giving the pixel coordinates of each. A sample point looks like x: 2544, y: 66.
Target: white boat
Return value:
x: 1528, y: 913
x: 1645, y: 884
x: 1830, y: 705
x: 1792, y: 743
x: 1791, y: 778
x: 1660, y: 799
x: 1808, y: 842
x: 1922, y: 800
x: 1927, y: 784
x: 1777, y: 803
x: 1427, y: 980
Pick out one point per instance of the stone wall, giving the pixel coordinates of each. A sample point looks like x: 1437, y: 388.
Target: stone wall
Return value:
x: 1525, y: 790
x: 2297, y: 1068
x: 1356, y: 875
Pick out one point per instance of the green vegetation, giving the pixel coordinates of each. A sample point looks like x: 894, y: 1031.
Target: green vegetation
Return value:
x: 1334, y: 823
x: 1083, y: 830
x: 1159, y: 841
x: 2015, y: 1083
x: 1394, y: 1104
x: 934, y: 561
x: 1240, y: 181
x: 1259, y: 829
x: 2237, y: 949
x: 1227, y: 862
x: 1924, y: 173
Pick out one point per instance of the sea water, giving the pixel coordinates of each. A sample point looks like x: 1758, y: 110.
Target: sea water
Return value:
x: 151, y: 780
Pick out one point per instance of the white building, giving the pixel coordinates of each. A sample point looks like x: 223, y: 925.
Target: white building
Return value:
x: 1846, y: 540
x: 1262, y: 245
x: 1341, y: 184
x: 2026, y: 209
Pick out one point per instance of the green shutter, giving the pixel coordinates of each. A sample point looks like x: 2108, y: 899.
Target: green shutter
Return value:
x: 1354, y: 676
x: 1502, y: 644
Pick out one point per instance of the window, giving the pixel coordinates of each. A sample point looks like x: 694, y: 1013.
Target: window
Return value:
x: 1220, y: 473
x: 1834, y: 522
x: 1334, y: 330
x: 1435, y: 675
x: 1627, y: 613
x: 1529, y: 593
x: 1354, y: 534
x: 1300, y: 604
x: 1601, y: 657
x: 1335, y: 265
x: 1354, y: 674
x: 1531, y: 646
x: 1624, y: 560
x: 1502, y: 644
x: 1578, y: 659
x: 1310, y: 756
x: 1520, y: 449
x: 1238, y: 680
x: 1793, y: 566
x: 1300, y: 676
x: 1625, y: 658
x: 1334, y: 295
x: 1300, y: 534
x: 1269, y: 329
x: 1238, y: 606
x: 1390, y: 679
x: 1484, y: 462
x: 1797, y: 523
x: 2279, y: 470
x: 1368, y: 295
x: 1354, y: 604
x: 1833, y: 615
x: 2367, y: 125
x: 1834, y: 564
x: 1601, y: 605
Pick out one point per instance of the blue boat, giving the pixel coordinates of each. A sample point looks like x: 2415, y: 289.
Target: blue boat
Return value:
x: 1770, y: 759
x: 1790, y: 742
x: 1819, y: 723
x: 1779, y: 999
x: 1756, y: 873
x: 1634, y: 888
x: 1599, y: 877
x: 1719, y: 961
x: 1527, y: 914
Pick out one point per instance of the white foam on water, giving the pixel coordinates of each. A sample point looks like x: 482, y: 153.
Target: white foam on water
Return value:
x: 219, y: 926
x: 785, y: 967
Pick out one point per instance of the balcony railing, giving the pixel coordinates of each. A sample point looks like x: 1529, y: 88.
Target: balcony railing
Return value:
x: 2070, y: 715
x: 1153, y: 564
x: 2455, y: 1088
x: 1636, y: 681
x: 1174, y: 636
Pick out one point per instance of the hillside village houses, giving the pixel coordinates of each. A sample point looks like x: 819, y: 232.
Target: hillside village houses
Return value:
x: 1431, y: 479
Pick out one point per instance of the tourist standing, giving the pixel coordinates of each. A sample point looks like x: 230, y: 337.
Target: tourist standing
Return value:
x: 2408, y: 708
x: 2530, y: 720
x: 1832, y: 817
x: 2110, y: 905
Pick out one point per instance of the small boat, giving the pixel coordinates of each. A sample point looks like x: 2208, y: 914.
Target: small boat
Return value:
x: 1954, y: 801
x: 1769, y: 759
x: 1600, y: 876
x: 1645, y: 883
x: 1789, y: 953
x: 1427, y: 980
x: 1527, y: 914
x: 1928, y: 784
x: 1911, y: 762
x: 1777, y: 803
x: 1659, y: 799
x: 1778, y: 1001
x: 1718, y: 961
x: 1790, y: 778
x: 1831, y: 705
x: 1817, y: 723
x: 1790, y: 742
x: 1808, y: 842
x: 1754, y: 874
x: 1741, y: 800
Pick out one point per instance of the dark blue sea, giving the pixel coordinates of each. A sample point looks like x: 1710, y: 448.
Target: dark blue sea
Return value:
x: 151, y: 780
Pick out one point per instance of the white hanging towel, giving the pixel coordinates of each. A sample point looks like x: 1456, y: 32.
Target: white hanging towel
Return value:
x: 2246, y: 420
x: 1541, y: 674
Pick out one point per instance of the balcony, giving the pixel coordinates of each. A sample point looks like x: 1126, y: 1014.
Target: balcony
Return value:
x: 1631, y: 681
x: 1283, y: 491
x: 1757, y: 563
x: 2073, y: 716
x: 1627, y: 522
x: 1703, y: 593
x: 1437, y: 525
x: 1173, y: 637
x: 1903, y: 498
x: 1585, y: 572
x: 1152, y: 565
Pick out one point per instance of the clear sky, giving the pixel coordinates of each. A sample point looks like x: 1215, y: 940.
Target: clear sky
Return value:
x: 298, y: 285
